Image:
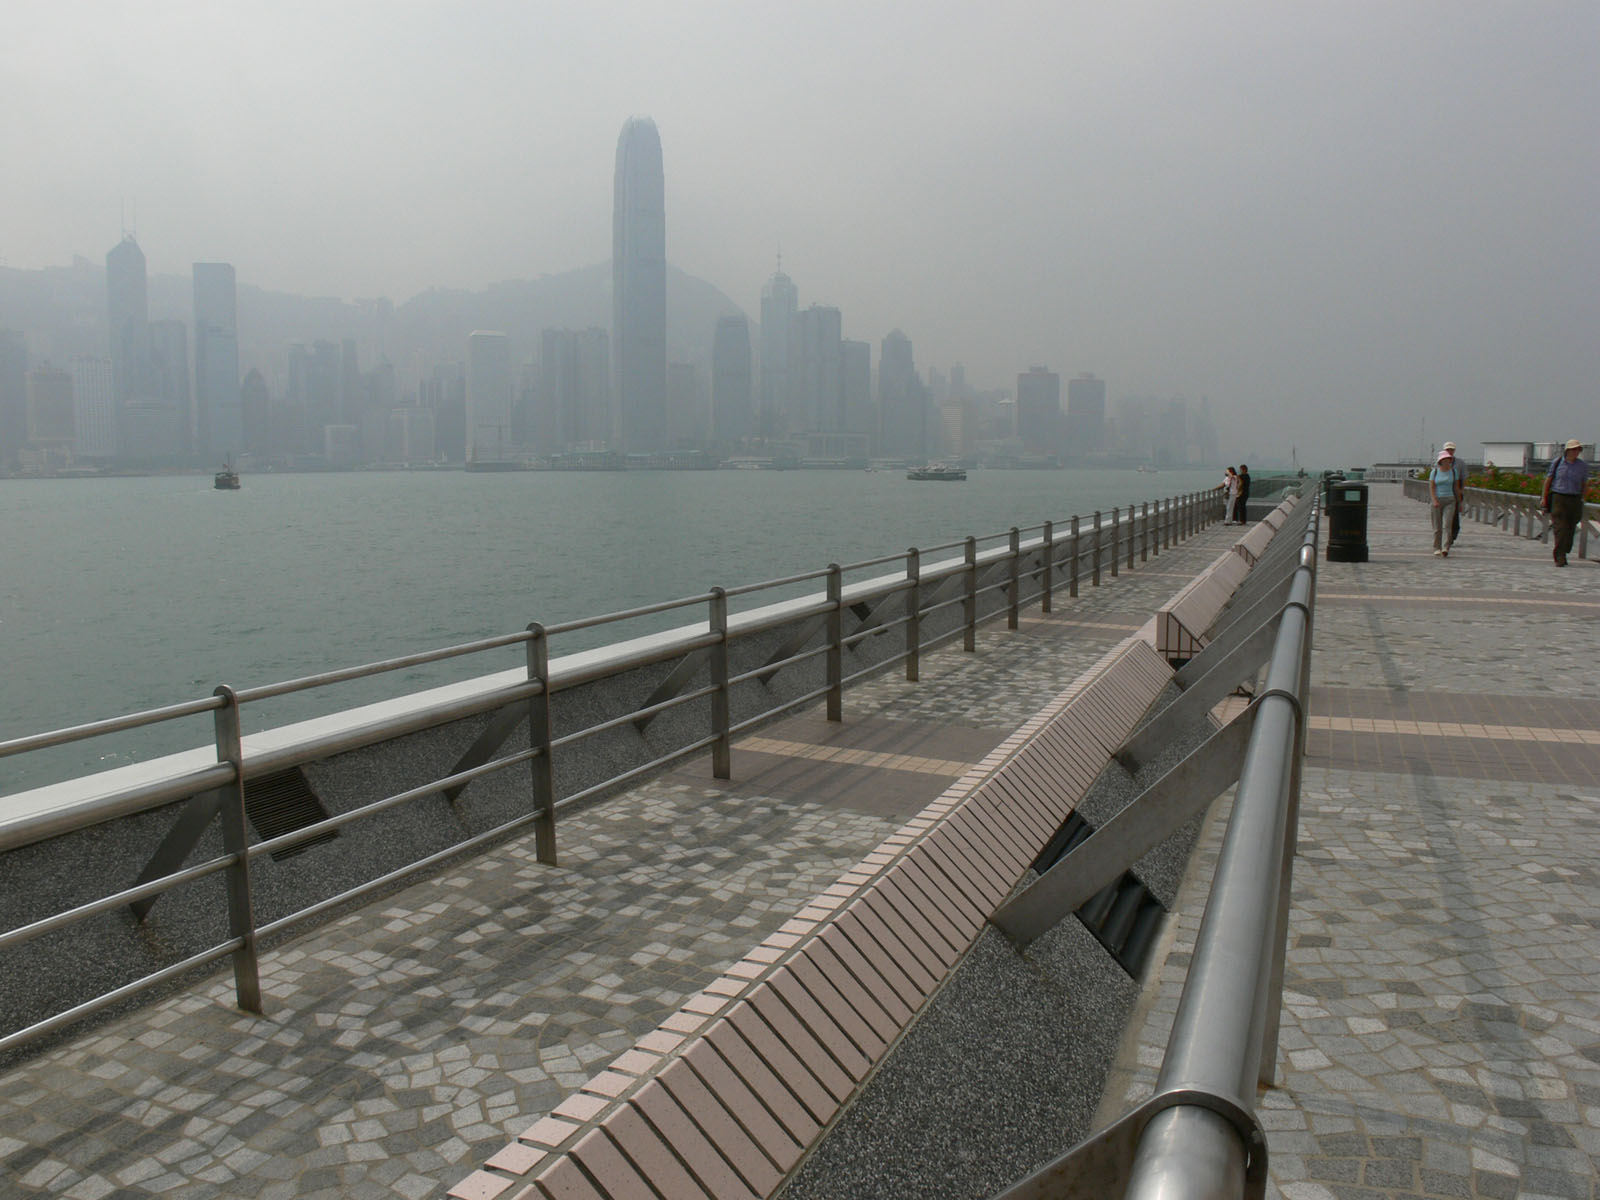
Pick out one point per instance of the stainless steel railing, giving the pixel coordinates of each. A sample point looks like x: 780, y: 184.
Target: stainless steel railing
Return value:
x: 1204, y: 1140
x: 1197, y: 1137
x: 992, y: 575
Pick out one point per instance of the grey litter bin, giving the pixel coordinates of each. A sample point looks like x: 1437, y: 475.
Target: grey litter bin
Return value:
x: 1347, y: 520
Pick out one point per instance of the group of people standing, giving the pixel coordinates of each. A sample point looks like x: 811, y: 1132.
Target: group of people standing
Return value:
x: 1562, y: 498
x: 1236, y: 494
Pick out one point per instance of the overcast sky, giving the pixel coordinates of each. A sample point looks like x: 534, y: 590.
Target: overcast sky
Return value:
x: 1335, y: 219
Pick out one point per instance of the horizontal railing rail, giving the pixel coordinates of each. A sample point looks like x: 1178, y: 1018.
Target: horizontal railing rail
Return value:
x: 1518, y: 513
x: 924, y: 604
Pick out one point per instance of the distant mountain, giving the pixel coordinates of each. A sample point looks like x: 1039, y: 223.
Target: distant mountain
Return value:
x: 62, y: 310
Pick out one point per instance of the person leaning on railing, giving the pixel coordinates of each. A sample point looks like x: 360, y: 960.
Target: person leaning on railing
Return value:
x: 1563, y: 496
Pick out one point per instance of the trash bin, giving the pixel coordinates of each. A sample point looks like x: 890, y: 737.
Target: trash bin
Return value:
x: 1347, y: 520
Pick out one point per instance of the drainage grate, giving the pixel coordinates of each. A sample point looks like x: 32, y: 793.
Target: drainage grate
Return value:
x: 1123, y: 916
x: 281, y: 803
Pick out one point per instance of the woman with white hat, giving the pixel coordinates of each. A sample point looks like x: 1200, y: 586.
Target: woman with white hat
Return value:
x: 1442, y: 491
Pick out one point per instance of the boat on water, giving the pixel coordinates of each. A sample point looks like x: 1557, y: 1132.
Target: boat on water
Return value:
x: 227, y: 479
x: 943, y: 471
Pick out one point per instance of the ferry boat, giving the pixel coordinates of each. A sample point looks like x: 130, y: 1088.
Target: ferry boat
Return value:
x: 227, y: 479
x: 943, y: 471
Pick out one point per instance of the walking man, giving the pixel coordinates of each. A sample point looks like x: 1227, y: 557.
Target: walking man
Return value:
x: 1563, y: 496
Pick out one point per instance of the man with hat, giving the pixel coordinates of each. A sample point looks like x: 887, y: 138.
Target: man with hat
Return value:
x: 1442, y: 491
x: 1563, y: 496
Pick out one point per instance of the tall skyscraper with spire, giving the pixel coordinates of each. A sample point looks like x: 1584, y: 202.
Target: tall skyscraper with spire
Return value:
x: 128, y: 320
x: 639, y: 289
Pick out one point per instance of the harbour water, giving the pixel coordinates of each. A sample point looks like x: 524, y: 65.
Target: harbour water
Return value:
x: 124, y: 594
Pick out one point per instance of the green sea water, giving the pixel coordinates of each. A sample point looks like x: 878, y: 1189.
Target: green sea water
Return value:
x: 124, y: 594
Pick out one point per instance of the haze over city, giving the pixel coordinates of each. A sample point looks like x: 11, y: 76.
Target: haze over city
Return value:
x: 1354, y: 227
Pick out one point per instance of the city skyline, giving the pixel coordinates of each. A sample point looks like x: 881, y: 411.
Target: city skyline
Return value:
x: 1342, y: 220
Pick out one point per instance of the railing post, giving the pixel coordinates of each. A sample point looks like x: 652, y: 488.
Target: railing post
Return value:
x: 969, y: 639
x: 1048, y: 554
x: 540, y: 765
x: 1072, y: 575
x: 235, y: 842
x: 835, y: 643
x: 1116, y: 538
x: 1014, y: 587
x: 1167, y: 523
x: 1154, y: 542
x: 1133, y: 534
x: 1094, y: 560
x: 913, y: 612
x: 722, y: 748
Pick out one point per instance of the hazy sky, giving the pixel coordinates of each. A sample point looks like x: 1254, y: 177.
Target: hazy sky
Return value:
x: 1332, y: 218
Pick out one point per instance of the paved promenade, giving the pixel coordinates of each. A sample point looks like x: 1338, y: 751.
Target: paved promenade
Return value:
x: 406, y: 1043
x: 1441, y: 1024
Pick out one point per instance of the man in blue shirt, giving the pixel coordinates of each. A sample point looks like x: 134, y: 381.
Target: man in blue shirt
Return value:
x: 1563, y: 496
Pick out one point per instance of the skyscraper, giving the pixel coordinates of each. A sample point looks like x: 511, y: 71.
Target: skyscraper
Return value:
x: 573, y: 404
x: 902, y: 400
x: 216, y: 359
x: 731, y: 416
x: 128, y: 320
x: 780, y: 300
x: 1039, y: 410
x: 816, y: 401
x: 639, y: 288
x: 94, y: 413
x: 1086, y: 414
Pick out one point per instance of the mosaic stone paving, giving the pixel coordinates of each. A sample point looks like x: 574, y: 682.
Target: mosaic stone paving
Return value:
x: 1441, y: 1022
x: 407, y: 1041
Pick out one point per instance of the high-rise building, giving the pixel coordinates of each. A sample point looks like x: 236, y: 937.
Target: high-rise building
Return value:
x: 94, y: 411
x: 255, y: 408
x: 488, y: 397
x: 1086, y: 415
x: 216, y: 360
x: 780, y: 301
x: 13, y: 397
x: 155, y: 423
x: 572, y: 409
x: 127, y: 320
x: 855, y: 385
x: 732, y: 415
x: 816, y: 401
x: 51, y: 427
x: 688, y: 410
x: 639, y: 288
x: 1039, y: 410
x: 902, y: 400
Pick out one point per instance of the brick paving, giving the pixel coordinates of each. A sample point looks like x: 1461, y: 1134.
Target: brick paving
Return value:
x: 1441, y: 1022
x: 406, y: 1042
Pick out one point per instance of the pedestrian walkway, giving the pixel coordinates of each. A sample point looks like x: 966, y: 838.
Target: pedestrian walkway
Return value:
x: 1441, y: 1020
x: 408, y: 1041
